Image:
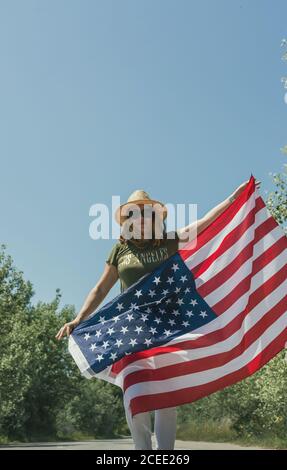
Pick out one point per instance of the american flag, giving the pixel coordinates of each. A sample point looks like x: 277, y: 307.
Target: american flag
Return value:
x: 209, y: 316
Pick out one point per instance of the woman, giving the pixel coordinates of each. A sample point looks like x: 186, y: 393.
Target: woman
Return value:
x: 130, y: 258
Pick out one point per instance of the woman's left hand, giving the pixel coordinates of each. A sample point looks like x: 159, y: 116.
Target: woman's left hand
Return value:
x: 243, y: 186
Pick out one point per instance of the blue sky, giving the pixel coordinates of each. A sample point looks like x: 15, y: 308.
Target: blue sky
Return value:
x: 98, y: 98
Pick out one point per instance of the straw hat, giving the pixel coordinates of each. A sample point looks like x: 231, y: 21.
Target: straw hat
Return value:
x: 139, y: 196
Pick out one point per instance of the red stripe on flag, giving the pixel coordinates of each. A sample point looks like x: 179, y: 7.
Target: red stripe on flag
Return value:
x: 215, y: 336
x: 213, y: 361
x: 144, y: 403
x: 244, y: 285
x: 219, y: 223
x: 222, y: 276
x: 229, y: 240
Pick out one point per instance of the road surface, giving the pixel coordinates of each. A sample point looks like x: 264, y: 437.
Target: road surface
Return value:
x: 120, y: 444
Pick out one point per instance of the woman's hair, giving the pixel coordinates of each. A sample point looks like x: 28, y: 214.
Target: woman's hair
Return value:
x: 156, y: 242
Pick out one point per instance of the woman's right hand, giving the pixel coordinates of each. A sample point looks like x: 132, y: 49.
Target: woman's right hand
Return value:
x: 67, y: 329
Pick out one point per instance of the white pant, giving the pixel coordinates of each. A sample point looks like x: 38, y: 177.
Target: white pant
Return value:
x: 164, y: 428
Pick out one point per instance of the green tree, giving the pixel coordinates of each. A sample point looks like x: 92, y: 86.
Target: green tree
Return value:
x: 42, y: 393
x: 35, y: 372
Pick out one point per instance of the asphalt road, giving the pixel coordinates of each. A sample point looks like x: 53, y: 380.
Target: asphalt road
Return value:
x: 120, y: 444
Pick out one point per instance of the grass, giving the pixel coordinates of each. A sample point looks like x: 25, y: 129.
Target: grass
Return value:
x: 211, y: 431
x: 69, y: 437
x: 206, y: 431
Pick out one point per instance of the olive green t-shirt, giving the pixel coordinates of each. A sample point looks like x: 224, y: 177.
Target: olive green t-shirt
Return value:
x: 133, y: 262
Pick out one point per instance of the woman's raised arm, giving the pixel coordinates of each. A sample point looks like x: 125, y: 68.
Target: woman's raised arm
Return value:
x: 190, y: 231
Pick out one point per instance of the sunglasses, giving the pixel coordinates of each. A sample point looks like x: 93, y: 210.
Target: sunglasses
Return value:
x: 146, y: 212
